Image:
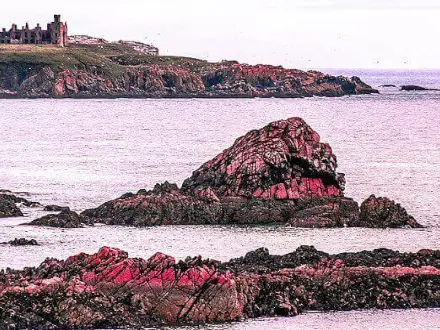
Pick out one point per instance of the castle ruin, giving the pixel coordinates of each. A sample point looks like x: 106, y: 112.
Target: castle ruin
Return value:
x: 56, y: 34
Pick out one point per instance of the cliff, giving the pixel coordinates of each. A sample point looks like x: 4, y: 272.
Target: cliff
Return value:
x: 122, y: 69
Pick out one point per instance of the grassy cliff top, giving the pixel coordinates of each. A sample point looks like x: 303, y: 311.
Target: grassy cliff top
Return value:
x: 109, y: 57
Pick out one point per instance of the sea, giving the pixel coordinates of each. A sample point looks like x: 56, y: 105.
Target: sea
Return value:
x: 81, y: 153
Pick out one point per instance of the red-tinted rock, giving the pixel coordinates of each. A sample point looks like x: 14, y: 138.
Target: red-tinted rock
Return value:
x: 108, y: 289
x: 284, y: 160
x: 281, y: 173
x: 381, y: 212
x: 151, y: 77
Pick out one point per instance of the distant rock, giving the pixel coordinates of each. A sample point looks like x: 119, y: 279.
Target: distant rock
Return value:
x: 362, y: 87
x: 416, y: 88
x: 65, y: 219
x: 22, y: 242
x: 388, y: 85
x: 381, y: 212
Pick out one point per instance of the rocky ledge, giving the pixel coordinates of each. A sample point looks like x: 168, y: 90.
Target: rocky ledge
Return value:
x: 280, y: 173
x: 108, y: 289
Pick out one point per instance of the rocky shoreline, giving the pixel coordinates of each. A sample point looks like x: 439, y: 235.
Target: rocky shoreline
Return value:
x: 280, y: 173
x: 115, y: 70
x: 109, y: 289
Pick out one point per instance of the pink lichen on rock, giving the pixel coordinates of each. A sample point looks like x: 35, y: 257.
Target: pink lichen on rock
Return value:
x: 284, y: 160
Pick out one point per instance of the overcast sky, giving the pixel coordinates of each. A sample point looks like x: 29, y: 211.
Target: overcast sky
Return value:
x: 294, y: 33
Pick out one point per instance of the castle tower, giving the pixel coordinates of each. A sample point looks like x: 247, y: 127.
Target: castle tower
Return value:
x: 58, y: 31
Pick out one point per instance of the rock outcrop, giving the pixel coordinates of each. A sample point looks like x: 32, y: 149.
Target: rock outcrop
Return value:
x: 381, y: 212
x: 284, y: 160
x: 281, y: 173
x: 8, y: 205
x: 21, y: 242
x: 108, y: 289
x: 8, y: 208
x: 64, y: 219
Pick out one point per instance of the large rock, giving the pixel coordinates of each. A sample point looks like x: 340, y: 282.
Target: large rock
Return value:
x: 284, y: 160
x: 381, y: 212
x: 109, y: 290
x: 281, y: 173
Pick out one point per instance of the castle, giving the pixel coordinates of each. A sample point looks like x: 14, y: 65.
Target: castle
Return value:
x: 55, y: 34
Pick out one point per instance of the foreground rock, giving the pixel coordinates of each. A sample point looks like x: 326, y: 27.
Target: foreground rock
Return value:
x: 108, y: 289
x: 65, y: 219
x: 281, y: 173
x: 381, y: 212
x: 8, y: 204
x: 21, y: 242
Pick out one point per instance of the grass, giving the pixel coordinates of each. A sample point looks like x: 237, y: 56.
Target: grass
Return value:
x: 109, y: 59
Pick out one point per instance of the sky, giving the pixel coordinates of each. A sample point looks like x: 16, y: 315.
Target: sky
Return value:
x: 304, y: 34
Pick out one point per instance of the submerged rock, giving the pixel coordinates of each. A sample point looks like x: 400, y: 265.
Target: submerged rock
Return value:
x: 65, y: 219
x: 281, y: 173
x: 381, y: 212
x: 109, y: 290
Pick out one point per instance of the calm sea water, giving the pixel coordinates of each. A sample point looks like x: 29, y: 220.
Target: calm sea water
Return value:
x: 81, y: 153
